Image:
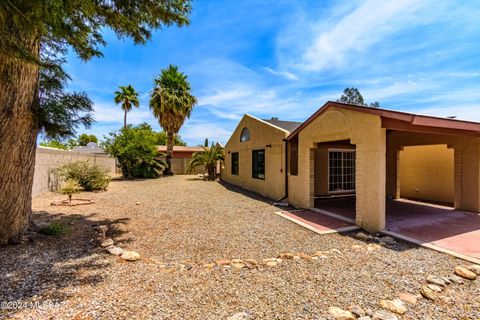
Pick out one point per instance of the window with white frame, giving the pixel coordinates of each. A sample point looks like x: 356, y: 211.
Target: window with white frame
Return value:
x: 341, y: 170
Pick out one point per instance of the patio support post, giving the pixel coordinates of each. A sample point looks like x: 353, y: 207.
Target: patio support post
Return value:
x: 370, y: 182
x: 467, y: 177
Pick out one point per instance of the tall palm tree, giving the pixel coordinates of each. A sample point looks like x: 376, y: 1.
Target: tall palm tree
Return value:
x: 209, y: 157
x: 128, y: 97
x: 171, y: 103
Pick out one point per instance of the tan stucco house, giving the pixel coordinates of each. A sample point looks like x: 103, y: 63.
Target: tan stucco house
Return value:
x: 255, y: 157
x: 367, y: 154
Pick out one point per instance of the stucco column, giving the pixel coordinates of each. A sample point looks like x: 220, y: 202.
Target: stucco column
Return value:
x: 393, y: 178
x: 370, y: 182
x: 467, y: 177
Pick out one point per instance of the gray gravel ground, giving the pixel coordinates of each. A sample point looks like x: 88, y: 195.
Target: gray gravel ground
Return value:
x: 184, y: 220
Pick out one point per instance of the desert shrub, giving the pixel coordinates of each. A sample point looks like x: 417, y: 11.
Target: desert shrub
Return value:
x: 55, y: 229
x: 69, y: 188
x: 136, y: 151
x: 89, y: 176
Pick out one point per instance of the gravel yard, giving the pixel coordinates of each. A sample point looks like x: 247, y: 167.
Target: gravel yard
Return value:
x: 181, y: 226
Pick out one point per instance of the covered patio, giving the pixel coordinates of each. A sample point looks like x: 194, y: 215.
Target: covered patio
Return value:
x: 435, y: 226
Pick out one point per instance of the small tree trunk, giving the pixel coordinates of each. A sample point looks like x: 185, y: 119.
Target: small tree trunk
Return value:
x: 170, y: 140
x: 211, y: 172
x: 18, y: 134
x: 70, y: 198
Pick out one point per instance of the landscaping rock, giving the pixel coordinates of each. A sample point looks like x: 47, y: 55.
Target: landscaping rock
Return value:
x: 465, y: 273
x: 436, y: 280
x: 304, y: 256
x: 475, y: 268
x: 357, y: 311
x: 251, y: 263
x: 117, y: 251
x: 434, y: 287
x: 428, y: 293
x: 455, y: 279
x: 387, y: 240
x: 364, y: 318
x: 130, y: 256
x: 223, y: 262
x: 271, y: 263
x: 373, y: 246
x: 362, y: 236
x: 384, y: 315
x: 340, y: 314
x: 407, y: 297
x: 286, y: 255
x: 240, y: 316
x: 357, y: 247
x: 397, y: 306
x: 238, y: 265
x: 447, y: 281
x: 107, y: 243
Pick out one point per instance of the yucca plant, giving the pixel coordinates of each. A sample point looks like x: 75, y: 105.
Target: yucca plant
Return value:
x: 209, y: 157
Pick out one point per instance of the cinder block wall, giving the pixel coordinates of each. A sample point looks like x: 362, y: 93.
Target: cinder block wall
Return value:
x: 47, y: 159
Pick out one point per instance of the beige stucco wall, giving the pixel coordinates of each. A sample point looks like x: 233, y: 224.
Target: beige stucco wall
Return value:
x: 261, y: 135
x: 427, y: 173
x: 466, y: 164
x: 47, y: 159
x: 366, y: 133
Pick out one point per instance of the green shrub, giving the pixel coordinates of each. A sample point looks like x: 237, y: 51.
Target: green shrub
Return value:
x: 136, y: 151
x: 69, y: 188
x: 90, y: 176
x: 55, y: 229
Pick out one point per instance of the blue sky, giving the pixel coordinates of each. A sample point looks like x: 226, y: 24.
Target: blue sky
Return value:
x: 287, y: 58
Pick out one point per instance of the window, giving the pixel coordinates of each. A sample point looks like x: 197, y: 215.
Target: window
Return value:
x: 258, y: 164
x: 245, y: 135
x: 341, y: 170
x: 235, y: 163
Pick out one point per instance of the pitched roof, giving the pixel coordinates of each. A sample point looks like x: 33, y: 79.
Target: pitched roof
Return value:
x: 180, y: 149
x: 285, y: 125
x: 398, y: 120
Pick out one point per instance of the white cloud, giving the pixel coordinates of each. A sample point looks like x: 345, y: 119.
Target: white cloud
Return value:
x: 334, y: 40
x: 112, y: 113
x: 285, y: 74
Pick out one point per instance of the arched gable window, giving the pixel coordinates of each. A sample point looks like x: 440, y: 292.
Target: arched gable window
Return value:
x: 245, y: 136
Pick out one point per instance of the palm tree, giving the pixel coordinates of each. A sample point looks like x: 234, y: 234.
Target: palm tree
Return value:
x: 209, y: 157
x: 171, y: 103
x: 128, y: 97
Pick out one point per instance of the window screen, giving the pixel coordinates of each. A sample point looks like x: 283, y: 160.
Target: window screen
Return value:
x: 258, y: 164
x: 235, y: 163
x: 341, y: 171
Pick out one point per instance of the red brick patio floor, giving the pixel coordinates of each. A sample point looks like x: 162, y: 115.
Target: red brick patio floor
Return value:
x: 317, y: 222
x: 440, y: 226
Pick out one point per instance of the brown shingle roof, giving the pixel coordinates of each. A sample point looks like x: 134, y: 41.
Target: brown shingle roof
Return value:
x: 290, y: 126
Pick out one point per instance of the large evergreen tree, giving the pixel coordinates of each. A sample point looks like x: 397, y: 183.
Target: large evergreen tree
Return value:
x: 352, y: 96
x: 34, y: 36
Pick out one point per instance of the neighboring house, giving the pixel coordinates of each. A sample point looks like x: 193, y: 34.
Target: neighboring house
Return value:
x: 181, y: 157
x: 367, y: 154
x: 91, y: 147
x: 255, y: 156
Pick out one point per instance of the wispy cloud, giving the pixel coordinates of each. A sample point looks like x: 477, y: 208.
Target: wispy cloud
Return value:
x: 285, y: 74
